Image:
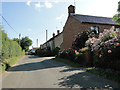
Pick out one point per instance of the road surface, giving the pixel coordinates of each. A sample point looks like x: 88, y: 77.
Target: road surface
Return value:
x: 41, y: 72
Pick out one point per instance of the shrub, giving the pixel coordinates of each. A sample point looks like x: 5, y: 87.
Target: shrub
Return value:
x: 80, y: 40
x: 106, y: 48
x: 47, y: 52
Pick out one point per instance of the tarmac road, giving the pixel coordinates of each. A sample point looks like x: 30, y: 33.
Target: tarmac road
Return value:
x: 42, y: 72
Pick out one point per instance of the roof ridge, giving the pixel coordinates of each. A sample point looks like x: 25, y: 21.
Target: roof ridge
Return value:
x: 94, y: 16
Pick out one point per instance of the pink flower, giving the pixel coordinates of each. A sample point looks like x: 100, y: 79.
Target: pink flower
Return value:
x: 109, y: 51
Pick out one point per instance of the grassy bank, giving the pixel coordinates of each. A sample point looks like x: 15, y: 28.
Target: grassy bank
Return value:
x: 68, y: 62
x: 9, y: 63
x: 106, y: 74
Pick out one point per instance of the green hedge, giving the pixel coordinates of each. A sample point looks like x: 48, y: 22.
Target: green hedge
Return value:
x: 10, y: 48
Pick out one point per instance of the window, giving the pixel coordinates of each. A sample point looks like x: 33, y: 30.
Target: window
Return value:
x: 116, y: 28
x: 94, y: 29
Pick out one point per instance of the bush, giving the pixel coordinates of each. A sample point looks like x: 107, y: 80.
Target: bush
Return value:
x: 47, y: 52
x: 106, y: 49
x: 80, y: 40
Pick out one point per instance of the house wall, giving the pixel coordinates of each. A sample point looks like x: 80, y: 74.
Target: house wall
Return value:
x: 51, y: 44
x: 59, y: 40
x: 73, y: 27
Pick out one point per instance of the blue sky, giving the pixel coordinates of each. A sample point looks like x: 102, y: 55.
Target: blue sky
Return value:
x: 32, y: 19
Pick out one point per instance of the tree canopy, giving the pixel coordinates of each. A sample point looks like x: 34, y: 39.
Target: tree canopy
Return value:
x: 16, y: 39
x: 25, y: 43
x: 116, y: 17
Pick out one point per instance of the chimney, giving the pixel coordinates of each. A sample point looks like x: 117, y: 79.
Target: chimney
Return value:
x: 58, y: 32
x: 53, y: 34
x: 71, y: 10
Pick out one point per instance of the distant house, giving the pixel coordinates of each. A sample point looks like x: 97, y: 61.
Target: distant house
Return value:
x: 55, y: 41
x: 77, y: 23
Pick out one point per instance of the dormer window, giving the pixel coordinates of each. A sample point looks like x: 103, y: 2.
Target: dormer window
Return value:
x: 94, y: 29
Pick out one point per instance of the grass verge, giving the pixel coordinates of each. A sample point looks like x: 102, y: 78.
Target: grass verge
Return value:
x: 68, y: 62
x: 11, y: 62
x: 108, y: 75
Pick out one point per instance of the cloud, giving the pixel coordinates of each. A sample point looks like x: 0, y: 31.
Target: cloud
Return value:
x: 28, y: 3
x: 48, y: 4
x: 56, y: 1
x: 38, y: 5
x: 61, y: 16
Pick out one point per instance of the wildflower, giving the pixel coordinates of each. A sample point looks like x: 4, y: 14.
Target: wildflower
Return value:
x: 109, y: 51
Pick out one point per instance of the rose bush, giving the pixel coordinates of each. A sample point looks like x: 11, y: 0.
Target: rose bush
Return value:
x: 106, y: 47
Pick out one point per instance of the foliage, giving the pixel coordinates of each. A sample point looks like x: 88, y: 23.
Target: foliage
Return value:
x: 25, y: 43
x: 80, y: 40
x: 10, y: 48
x: 16, y: 39
x: 116, y: 17
x: 106, y: 48
x: 47, y: 52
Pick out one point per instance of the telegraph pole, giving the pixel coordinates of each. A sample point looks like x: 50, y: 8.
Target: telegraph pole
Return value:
x: 37, y: 42
x: 46, y: 38
x: 19, y: 38
x: 46, y: 35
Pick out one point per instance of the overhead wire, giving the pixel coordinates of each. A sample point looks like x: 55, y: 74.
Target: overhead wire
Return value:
x: 9, y: 24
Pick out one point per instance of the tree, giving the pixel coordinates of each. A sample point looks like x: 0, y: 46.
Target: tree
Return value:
x: 116, y: 17
x: 25, y: 43
x: 17, y: 40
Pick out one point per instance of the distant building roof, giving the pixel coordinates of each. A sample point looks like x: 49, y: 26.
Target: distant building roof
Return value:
x: 94, y: 19
x: 53, y: 38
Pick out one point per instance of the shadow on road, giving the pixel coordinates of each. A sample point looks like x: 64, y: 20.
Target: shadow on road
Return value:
x: 46, y: 64
x: 84, y: 80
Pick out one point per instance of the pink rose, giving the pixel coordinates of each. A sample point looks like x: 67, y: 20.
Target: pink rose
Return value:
x: 109, y: 51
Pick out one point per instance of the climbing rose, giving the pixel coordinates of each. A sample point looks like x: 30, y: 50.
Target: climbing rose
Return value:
x: 109, y: 51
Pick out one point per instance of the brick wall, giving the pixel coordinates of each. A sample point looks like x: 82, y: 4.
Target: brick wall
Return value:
x: 73, y: 27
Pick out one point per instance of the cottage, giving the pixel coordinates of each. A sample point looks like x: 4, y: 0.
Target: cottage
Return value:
x: 77, y: 23
x: 55, y: 41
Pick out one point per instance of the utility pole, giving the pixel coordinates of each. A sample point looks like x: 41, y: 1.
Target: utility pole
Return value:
x: 74, y: 4
x: 19, y: 38
x: 37, y: 42
x: 46, y: 38
x: 46, y: 35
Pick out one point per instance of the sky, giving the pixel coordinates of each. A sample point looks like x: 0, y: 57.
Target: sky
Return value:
x: 32, y: 19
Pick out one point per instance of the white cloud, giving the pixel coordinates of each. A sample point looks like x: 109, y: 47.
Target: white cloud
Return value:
x: 28, y: 3
x: 61, y: 16
x: 38, y: 5
x: 56, y: 1
x: 48, y: 4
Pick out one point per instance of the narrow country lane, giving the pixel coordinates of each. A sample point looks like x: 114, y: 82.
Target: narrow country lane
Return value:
x: 41, y: 72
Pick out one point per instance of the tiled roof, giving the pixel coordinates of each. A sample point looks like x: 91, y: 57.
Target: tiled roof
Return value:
x: 53, y: 38
x: 94, y: 19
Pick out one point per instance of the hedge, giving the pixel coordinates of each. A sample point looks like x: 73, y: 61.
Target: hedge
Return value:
x: 9, y: 47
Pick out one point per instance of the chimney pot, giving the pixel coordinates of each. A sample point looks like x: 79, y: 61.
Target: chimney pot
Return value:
x: 58, y: 31
x: 53, y: 34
